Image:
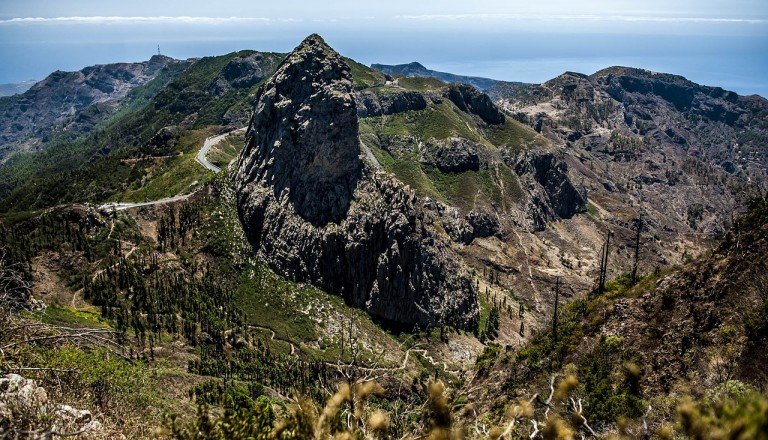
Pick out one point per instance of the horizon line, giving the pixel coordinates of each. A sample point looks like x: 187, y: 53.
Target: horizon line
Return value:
x: 186, y: 19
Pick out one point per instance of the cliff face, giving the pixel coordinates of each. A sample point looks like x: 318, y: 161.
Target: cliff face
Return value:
x: 371, y: 104
x: 317, y: 213
x: 552, y: 194
x: 303, y: 139
x: 471, y: 100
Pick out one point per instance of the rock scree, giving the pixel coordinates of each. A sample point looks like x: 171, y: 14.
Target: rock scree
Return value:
x: 317, y: 213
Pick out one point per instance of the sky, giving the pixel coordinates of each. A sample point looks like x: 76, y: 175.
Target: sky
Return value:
x: 712, y: 42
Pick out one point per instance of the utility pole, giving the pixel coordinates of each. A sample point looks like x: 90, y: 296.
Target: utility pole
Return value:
x: 554, y: 316
x: 604, y: 263
x: 637, y: 248
x: 158, y: 49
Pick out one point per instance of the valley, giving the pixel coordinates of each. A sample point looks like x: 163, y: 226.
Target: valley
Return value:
x: 264, y: 245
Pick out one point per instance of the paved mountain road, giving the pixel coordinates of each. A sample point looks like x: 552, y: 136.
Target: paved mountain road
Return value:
x: 201, y: 158
x: 210, y: 142
x: 118, y: 206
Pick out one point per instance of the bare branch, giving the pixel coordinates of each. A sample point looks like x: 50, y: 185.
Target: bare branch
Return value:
x: 645, y: 420
x: 577, y: 409
x: 535, y: 429
x: 551, y: 390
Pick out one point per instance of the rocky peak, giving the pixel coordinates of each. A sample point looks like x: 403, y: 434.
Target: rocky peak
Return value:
x: 305, y: 138
x: 159, y: 61
x: 317, y: 213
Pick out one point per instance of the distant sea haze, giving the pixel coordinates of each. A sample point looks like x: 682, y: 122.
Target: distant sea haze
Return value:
x: 737, y: 63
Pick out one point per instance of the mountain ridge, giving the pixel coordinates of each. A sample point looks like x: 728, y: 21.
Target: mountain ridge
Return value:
x: 70, y: 102
x: 417, y: 69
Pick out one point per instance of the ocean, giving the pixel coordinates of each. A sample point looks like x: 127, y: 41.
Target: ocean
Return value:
x: 738, y: 63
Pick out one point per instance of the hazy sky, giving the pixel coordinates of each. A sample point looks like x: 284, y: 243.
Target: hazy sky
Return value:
x: 715, y: 42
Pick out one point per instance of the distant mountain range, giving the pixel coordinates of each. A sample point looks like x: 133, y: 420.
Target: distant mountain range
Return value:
x: 16, y: 88
x: 416, y: 69
x: 494, y: 88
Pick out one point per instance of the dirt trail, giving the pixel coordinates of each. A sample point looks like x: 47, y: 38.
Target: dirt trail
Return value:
x: 273, y: 337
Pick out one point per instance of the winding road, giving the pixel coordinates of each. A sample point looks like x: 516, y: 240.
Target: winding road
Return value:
x: 210, y: 142
x: 118, y: 206
x: 200, y: 158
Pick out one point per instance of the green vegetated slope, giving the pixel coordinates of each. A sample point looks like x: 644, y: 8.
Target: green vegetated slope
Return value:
x: 200, y: 318
x: 680, y: 350
x: 397, y: 142
x: 69, y: 151
x: 363, y: 76
x: 128, y: 152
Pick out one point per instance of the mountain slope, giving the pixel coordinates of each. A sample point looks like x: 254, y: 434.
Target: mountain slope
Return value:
x: 699, y: 329
x: 145, y: 139
x: 696, y: 150
x: 318, y: 213
x: 55, y: 104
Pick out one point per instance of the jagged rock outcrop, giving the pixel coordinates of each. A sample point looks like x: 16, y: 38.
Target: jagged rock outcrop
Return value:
x: 378, y: 104
x: 551, y: 194
x: 463, y: 228
x: 25, y: 407
x: 484, y: 224
x: 164, y: 139
x: 243, y: 72
x: 317, y: 213
x: 455, y: 155
x: 471, y: 100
